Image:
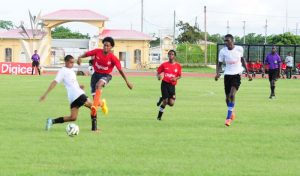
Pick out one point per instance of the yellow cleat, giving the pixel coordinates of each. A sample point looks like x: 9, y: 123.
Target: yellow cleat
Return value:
x: 104, y: 107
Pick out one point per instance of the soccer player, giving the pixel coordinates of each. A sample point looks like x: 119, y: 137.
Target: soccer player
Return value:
x: 172, y: 72
x: 76, y: 95
x: 35, y: 62
x: 232, y: 56
x: 103, y: 63
x: 274, y: 62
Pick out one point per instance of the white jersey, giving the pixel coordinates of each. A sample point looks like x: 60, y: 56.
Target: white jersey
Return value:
x: 68, y: 77
x: 289, y: 60
x: 232, y: 59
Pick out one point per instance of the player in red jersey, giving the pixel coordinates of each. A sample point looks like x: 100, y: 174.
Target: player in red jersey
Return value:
x: 172, y: 72
x: 103, y: 63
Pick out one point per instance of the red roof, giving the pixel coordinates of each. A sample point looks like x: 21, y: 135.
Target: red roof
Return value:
x: 19, y: 34
x: 75, y: 15
x: 118, y: 34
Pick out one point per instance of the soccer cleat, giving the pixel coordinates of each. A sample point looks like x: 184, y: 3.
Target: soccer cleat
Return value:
x: 104, y: 107
x: 158, y: 118
x: 272, y: 96
x: 49, y: 124
x: 93, y: 110
x: 159, y: 101
x: 228, y: 122
x: 232, y: 117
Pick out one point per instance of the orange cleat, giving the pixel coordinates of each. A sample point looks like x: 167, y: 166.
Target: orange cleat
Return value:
x: 228, y: 122
x: 232, y: 117
x: 94, y: 110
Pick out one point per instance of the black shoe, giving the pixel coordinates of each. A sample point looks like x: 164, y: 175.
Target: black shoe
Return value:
x: 159, y: 101
x: 272, y: 96
x: 158, y: 118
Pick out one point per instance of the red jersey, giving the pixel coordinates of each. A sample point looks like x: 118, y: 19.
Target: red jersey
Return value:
x: 283, y: 66
x: 102, y: 63
x: 171, y: 70
x: 257, y: 66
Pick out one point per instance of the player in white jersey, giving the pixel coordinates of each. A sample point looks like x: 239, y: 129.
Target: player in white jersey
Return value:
x: 232, y: 56
x: 76, y: 95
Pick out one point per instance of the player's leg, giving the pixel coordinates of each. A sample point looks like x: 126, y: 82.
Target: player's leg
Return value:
x: 165, y: 97
x: 272, y: 80
x: 72, y: 117
x: 231, y: 88
x: 160, y: 99
x: 101, y: 83
x: 32, y: 67
x: 172, y: 98
x: 89, y: 104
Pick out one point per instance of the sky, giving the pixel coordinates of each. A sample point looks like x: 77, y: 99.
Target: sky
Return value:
x: 281, y: 15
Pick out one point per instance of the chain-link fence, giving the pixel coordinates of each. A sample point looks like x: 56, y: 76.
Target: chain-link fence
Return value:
x: 259, y: 52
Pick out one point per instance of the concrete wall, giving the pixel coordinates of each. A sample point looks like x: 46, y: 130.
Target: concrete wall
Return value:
x: 16, y: 47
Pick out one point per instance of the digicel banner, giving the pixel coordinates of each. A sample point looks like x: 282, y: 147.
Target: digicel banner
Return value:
x: 16, y: 68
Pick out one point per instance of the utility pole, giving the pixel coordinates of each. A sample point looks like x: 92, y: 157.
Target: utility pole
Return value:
x: 227, y: 27
x: 196, y: 23
x: 244, y: 28
x: 174, y: 27
x: 266, y: 31
x: 205, y: 37
x: 142, y: 15
x: 286, y: 16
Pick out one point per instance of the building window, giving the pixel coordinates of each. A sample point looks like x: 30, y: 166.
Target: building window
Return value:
x: 137, y: 56
x: 8, y: 54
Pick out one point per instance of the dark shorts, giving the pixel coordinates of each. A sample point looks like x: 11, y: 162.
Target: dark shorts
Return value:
x: 96, y: 77
x: 79, y: 101
x: 167, y: 90
x: 35, y: 64
x: 231, y: 81
x: 273, y: 74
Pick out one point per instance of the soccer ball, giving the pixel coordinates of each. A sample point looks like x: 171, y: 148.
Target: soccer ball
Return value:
x: 72, y: 129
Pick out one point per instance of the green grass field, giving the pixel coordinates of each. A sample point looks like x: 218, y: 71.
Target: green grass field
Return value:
x: 190, y: 140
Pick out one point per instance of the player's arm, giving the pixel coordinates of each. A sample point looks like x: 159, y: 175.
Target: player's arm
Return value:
x: 79, y: 61
x: 158, y: 76
x: 279, y: 66
x: 244, y: 64
x: 159, y: 70
x: 129, y: 85
x: 218, y: 70
x: 51, y: 86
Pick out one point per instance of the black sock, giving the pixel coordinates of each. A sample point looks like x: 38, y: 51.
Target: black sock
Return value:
x: 94, y: 122
x: 160, y: 112
x: 39, y: 71
x: 58, y: 120
x: 273, y: 90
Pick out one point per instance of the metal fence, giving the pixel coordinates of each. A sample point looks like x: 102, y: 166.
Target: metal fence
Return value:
x: 259, y: 52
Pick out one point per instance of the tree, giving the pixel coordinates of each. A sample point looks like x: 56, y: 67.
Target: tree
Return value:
x: 65, y: 33
x: 216, y: 38
x: 189, y: 33
x: 6, y: 24
x: 155, y: 42
x: 284, y: 39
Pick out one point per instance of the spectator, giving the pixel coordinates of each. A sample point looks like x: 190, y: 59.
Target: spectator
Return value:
x: 283, y: 69
x: 290, y: 64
